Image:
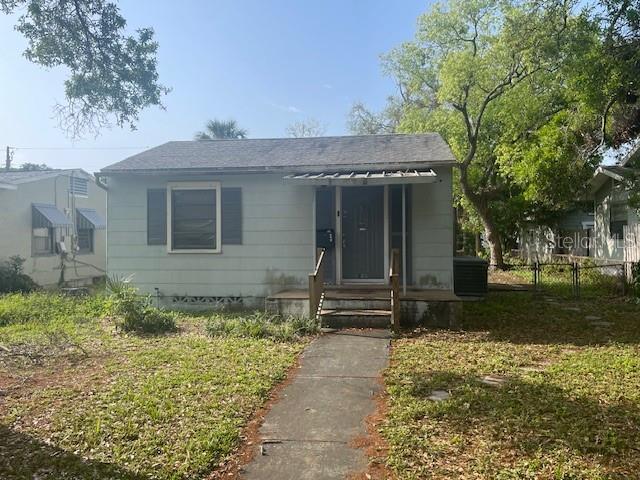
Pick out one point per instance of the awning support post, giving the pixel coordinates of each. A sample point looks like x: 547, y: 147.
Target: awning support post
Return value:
x: 404, y: 239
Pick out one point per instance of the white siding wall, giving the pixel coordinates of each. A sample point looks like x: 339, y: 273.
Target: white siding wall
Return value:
x: 276, y: 251
x: 432, y: 235
x: 15, y: 222
x: 608, y: 248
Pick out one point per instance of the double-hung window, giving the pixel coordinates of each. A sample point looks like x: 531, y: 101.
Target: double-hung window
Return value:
x: 46, y: 221
x: 194, y: 217
x: 85, y: 240
x: 618, y: 217
x: 43, y: 241
x: 88, y: 220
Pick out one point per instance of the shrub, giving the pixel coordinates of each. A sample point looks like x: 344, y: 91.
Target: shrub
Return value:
x: 13, y: 278
x: 260, y: 325
x: 133, y: 312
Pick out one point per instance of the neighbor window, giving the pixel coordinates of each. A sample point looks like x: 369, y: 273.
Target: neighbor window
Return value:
x: 194, y: 217
x: 617, y: 220
x: 43, y: 241
x: 85, y: 240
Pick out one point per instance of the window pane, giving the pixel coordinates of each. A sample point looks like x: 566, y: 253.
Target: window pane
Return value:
x: 618, y: 219
x: 619, y: 212
x: 193, y: 219
x: 42, y: 241
x: 157, y: 217
x: 85, y: 240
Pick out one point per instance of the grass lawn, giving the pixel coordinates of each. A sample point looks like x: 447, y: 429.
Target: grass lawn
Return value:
x: 79, y: 400
x: 564, y: 402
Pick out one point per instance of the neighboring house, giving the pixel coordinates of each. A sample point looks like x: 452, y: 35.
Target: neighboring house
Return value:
x: 599, y: 230
x: 47, y: 212
x: 239, y: 220
x: 572, y: 234
x: 613, y: 215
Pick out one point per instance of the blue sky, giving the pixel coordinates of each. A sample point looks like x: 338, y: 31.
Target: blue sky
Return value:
x: 266, y: 64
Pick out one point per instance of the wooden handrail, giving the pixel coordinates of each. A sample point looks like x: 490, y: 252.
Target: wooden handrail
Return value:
x: 316, y: 284
x: 394, y: 283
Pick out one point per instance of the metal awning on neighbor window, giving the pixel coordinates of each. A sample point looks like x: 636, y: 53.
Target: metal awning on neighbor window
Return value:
x: 48, y: 216
x: 380, y: 177
x: 89, y: 218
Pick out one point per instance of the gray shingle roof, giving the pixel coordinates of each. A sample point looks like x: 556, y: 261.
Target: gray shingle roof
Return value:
x: 303, y: 154
x: 15, y: 178
x: 23, y: 176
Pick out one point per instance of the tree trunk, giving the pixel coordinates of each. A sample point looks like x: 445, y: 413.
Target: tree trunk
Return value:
x: 493, y: 238
x: 490, y: 228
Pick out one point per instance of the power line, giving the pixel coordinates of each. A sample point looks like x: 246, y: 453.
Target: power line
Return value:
x: 79, y: 148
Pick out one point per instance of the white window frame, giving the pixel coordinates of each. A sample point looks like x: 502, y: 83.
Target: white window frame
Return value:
x: 171, y: 186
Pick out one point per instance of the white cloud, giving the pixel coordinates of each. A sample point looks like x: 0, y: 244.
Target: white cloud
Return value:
x: 284, y: 108
x: 328, y: 86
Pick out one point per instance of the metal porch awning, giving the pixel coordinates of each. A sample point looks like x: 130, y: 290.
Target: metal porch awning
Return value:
x: 90, y: 219
x: 379, y: 177
x: 48, y: 216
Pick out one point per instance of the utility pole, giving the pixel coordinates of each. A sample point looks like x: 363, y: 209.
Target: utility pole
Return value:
x: 9, y: 158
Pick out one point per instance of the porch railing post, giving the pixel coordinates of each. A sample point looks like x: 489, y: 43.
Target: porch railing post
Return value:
x: 316, y: 284
x: 394, y: 283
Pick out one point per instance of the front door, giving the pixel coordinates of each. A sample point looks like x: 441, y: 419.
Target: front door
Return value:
x: 363, y: 233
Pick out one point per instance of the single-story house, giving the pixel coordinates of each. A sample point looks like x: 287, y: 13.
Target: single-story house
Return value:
x: 55, y: 220
x: 615, y: 219
x: 238, y: 221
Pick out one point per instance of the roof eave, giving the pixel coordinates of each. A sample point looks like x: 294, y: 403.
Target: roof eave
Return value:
x: 279, y: 169
x: 601, y: 176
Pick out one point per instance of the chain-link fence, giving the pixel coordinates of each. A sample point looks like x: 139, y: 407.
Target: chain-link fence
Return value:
x: 563, y: 279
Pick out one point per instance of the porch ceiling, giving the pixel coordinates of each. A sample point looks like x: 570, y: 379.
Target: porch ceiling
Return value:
x: 380, y: 177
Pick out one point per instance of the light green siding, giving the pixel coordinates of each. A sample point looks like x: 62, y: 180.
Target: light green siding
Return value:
x: 432, y: 235
x: 276, y: 251
x: 278, y: 230
x: 606, y: 247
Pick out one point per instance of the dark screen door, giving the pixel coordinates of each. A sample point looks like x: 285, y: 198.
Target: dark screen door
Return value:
x: 362, y: 233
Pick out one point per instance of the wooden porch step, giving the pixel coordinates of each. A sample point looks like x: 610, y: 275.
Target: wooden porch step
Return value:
x: 358, y: 318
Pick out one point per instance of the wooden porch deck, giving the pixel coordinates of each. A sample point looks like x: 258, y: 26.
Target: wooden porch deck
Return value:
x: 382, y: 292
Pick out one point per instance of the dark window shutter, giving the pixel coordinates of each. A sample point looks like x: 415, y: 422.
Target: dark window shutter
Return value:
x: 157, y: 217
x: 231, y: 216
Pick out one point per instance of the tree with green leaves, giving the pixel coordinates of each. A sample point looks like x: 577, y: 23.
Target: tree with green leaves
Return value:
x: 33, y: 167
x: 363, y: 121
x: 607, y: 80
x: 221, y: 130
x: 487, y: 76
x: 112, y: 75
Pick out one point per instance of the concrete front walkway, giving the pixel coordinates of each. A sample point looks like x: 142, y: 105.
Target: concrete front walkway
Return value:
x: 307, y: 433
